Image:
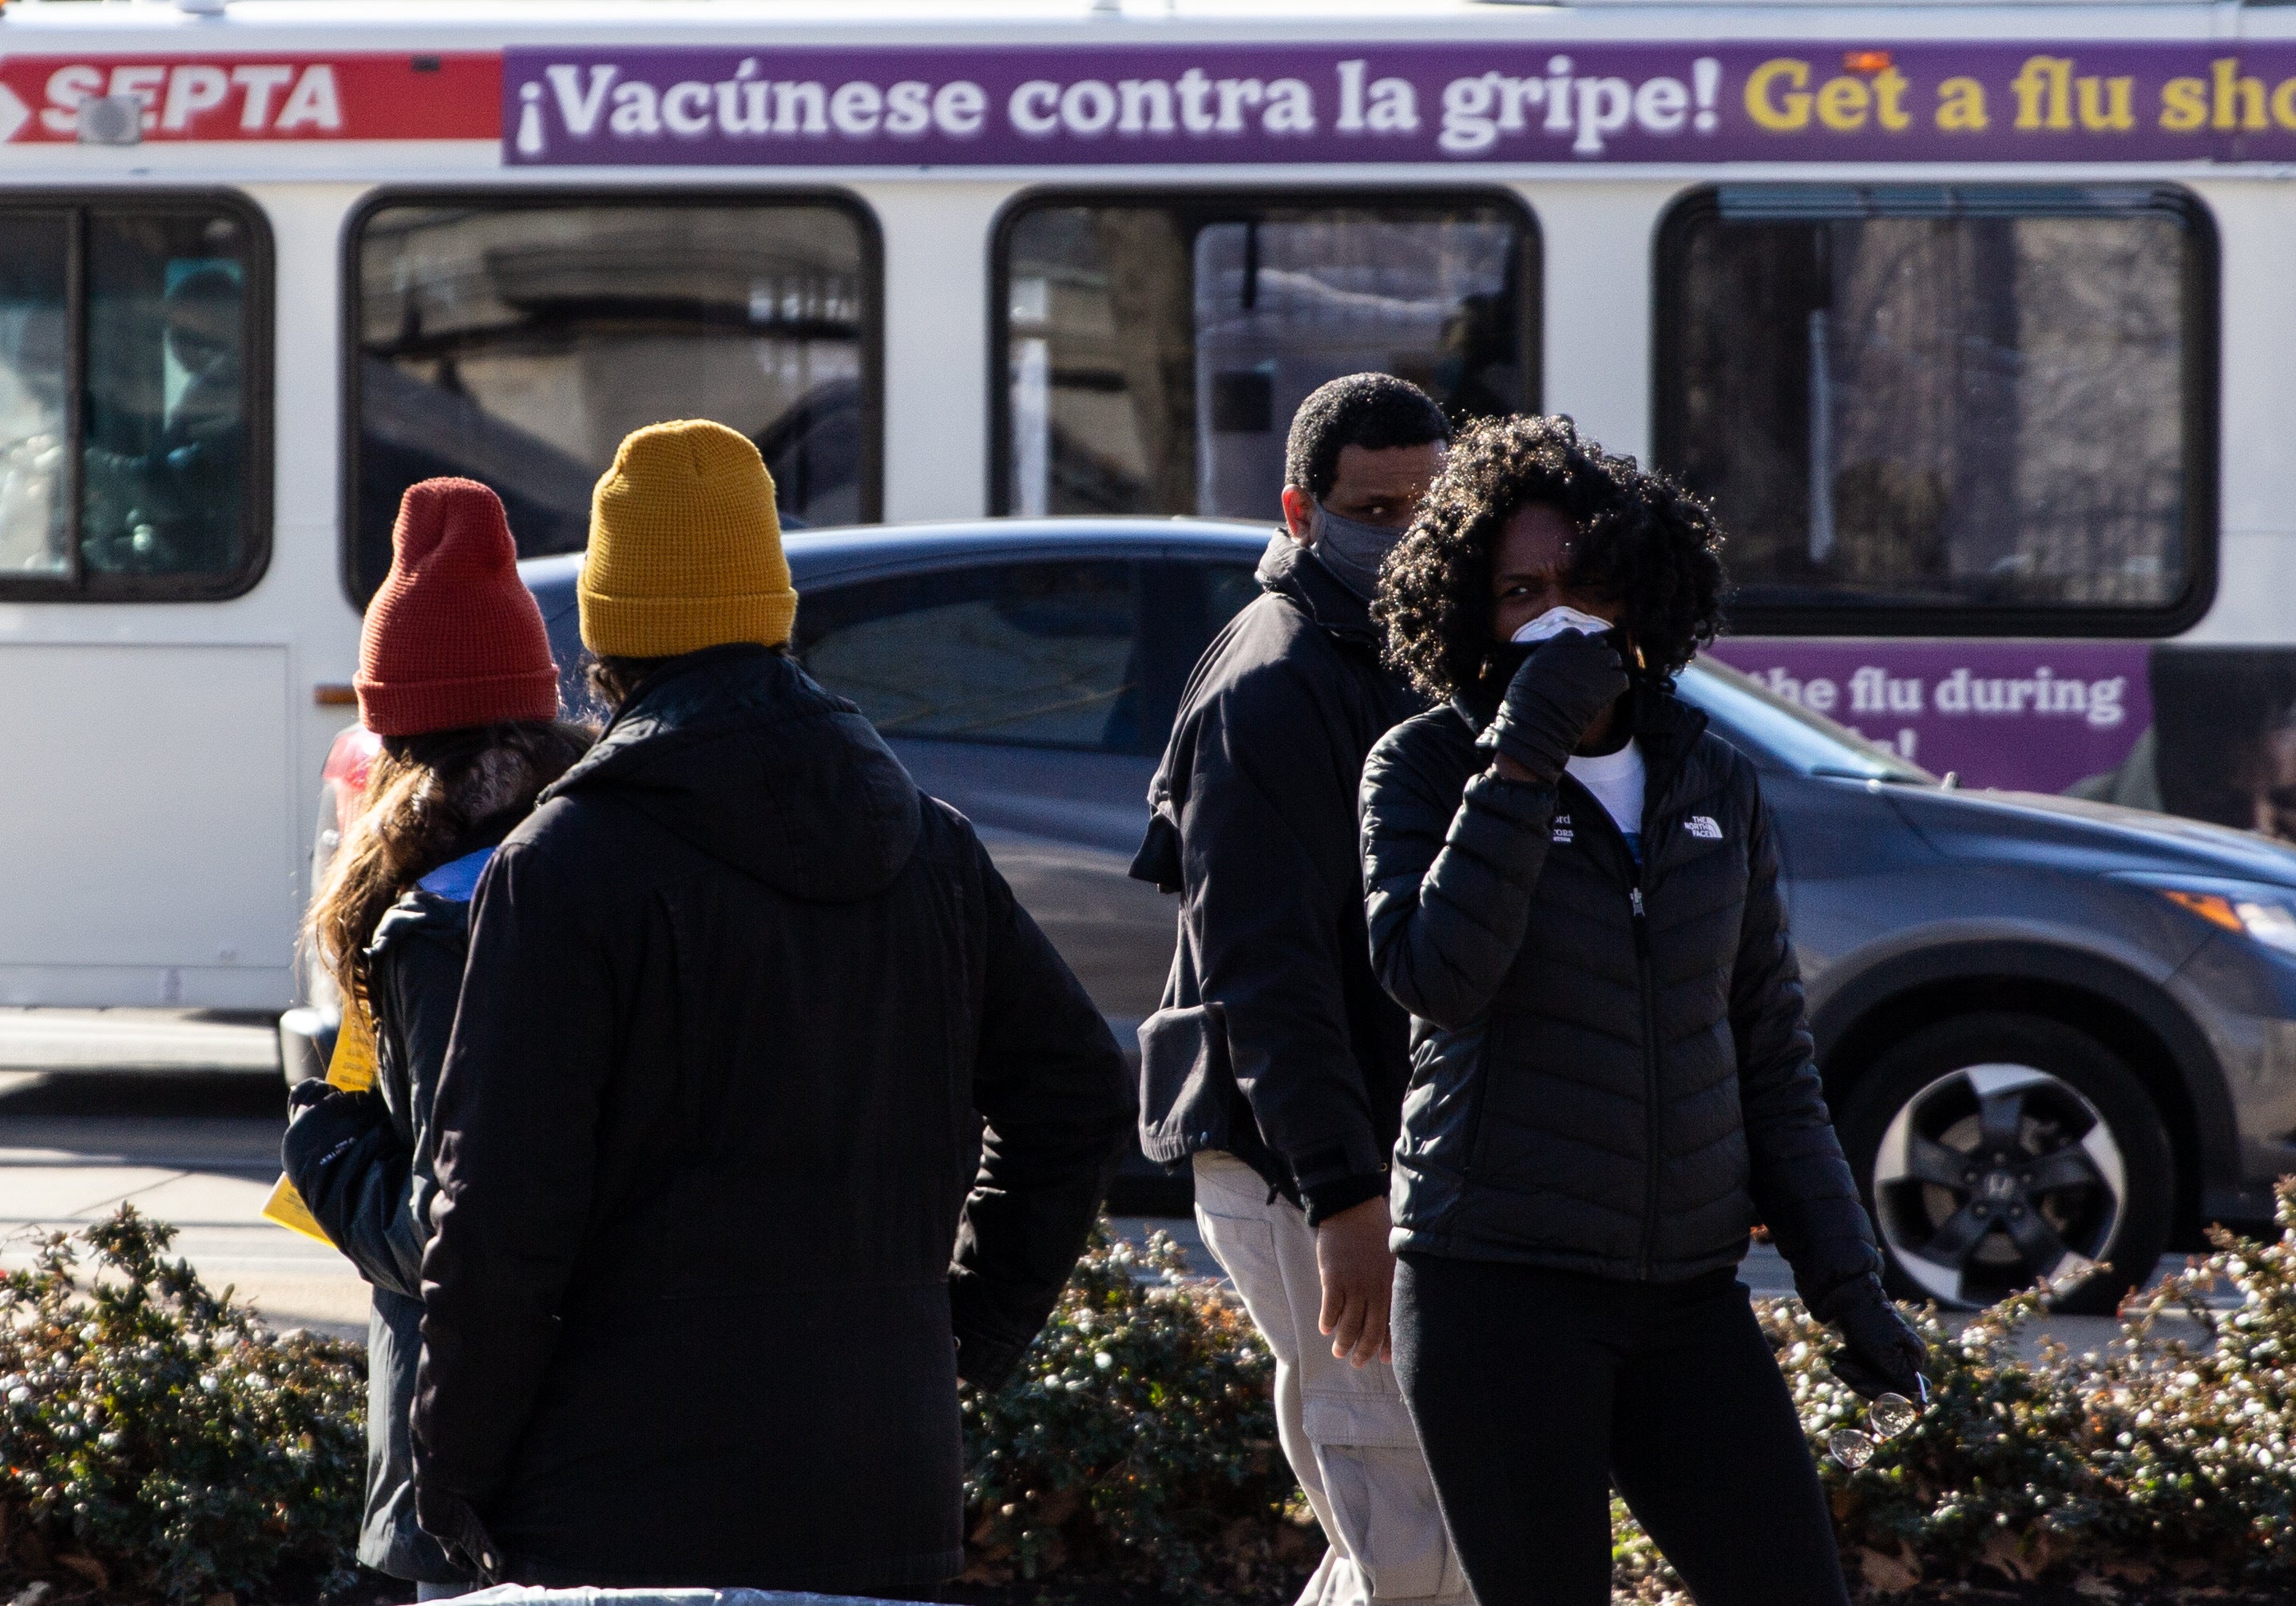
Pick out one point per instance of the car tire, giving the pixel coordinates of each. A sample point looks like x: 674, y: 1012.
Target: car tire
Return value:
x: 1998, y: 1151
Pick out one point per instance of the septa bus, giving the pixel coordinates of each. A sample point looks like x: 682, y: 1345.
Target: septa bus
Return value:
x: 1973, y: 320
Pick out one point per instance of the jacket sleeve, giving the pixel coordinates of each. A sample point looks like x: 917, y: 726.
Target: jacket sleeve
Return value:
x: 1447, y: 876
x: 372, y: 1197
x: 1050, y: 1082
x: 1801, y: 1183
x: 515, y: 1142
x: 1269, y: 852
x: 351, y: 1169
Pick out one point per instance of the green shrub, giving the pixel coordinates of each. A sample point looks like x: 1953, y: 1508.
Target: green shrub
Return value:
x: 1137, y: 1445
x: 158, y: 1441
x: 2157, y: 1462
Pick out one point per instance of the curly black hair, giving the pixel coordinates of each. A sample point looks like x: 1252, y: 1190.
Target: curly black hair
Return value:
x: 1642, y: 538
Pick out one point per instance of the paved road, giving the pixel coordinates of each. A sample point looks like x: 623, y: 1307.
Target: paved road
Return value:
x: 135, y: 1040
x: 181, y: 1116
x: 177, y: 1115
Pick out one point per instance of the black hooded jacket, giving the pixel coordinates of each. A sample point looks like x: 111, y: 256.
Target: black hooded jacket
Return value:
x: 1612, y: 1067
x: 1275, y: 1041
x: 705, y: 1271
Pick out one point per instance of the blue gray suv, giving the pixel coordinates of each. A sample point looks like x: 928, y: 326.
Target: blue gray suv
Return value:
x: 2055, y: 1034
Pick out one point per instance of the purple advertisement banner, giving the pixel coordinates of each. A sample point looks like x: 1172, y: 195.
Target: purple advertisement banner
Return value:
x: 1456, y: 104
x: 2022, y: 715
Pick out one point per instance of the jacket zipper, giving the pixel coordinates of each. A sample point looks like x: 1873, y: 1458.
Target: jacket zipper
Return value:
x: 1658, y: 780
x: 1653, y: 1153
x: 1641, y: 922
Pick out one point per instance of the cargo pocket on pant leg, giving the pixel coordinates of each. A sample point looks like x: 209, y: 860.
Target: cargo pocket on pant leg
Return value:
x: 1375, y: 1478
x: 1245, y: 1249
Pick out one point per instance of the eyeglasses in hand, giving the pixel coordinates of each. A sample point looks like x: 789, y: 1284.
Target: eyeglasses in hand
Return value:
x: 1888, y: 1416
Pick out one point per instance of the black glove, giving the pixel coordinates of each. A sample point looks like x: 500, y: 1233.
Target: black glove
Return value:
x: 306, y: 1094
x: 1880, y: 1352
x: 1559, y: 690
x: 325, y: 1129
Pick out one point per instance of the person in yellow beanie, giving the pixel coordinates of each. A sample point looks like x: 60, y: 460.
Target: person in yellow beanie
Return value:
x: 705, y: 1274
x: 685, y: 547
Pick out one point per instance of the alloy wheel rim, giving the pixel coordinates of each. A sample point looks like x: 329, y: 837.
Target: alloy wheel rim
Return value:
x: 1996, y: 1177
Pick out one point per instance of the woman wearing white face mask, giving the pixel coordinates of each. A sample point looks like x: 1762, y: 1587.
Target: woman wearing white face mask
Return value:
x: 1573, y: 889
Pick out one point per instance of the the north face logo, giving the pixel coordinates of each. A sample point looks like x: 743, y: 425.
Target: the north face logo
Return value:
x: 1703, y: 826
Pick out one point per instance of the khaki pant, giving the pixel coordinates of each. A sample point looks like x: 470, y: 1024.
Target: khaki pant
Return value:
x: 1345, y: 1432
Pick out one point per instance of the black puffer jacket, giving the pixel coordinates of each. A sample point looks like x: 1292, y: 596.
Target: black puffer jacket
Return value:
x: 1612, y: 1069
x: 705, y: 1271
x: 1275, y: 1041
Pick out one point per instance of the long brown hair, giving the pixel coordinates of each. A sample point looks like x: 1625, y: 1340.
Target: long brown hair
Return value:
x: 423, y: 794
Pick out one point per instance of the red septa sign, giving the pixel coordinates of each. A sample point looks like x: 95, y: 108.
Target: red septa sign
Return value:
x: 273, y: 97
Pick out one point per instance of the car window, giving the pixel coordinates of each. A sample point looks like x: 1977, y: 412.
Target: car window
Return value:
x: 1768, y: 726
x: 1228, y: 589
x: 1184, y: 603
x: 1042, y: 655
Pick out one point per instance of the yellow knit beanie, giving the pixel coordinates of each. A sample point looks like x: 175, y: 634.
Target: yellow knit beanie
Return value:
x: 685, y: 547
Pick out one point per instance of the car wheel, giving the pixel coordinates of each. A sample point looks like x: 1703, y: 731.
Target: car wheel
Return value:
x: 2000, y: 1152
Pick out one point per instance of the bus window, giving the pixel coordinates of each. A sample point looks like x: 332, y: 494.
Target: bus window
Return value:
x: 144, y: 484
x: 517, y: 341
x: 35, y: 490
x: 1157, y: 347
x: 1940, y: 409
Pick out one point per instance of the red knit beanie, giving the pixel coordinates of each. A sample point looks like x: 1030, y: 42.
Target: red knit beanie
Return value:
x: 454, y: 637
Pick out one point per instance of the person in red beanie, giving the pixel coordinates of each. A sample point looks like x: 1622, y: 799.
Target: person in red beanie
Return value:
x: 456, y: 677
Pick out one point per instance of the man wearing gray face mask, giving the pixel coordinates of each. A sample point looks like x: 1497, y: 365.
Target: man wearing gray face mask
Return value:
x: 1353, y: 524
x: 1277, y: 1061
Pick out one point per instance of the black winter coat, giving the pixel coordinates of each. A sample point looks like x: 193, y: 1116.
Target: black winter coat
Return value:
x: 1275, y: 1041
x: 706, y: 1270
x: 371, y: 1194
x: 1612, y: 1069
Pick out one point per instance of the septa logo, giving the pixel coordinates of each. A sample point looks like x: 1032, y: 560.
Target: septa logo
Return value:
x: 372, y: 97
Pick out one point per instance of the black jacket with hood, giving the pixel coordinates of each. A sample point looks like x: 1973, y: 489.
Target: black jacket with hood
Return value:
x: 362, y: 1163
x: 706, y: 1268
x: 1612, y: 1067
x: 1275, y: 1041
